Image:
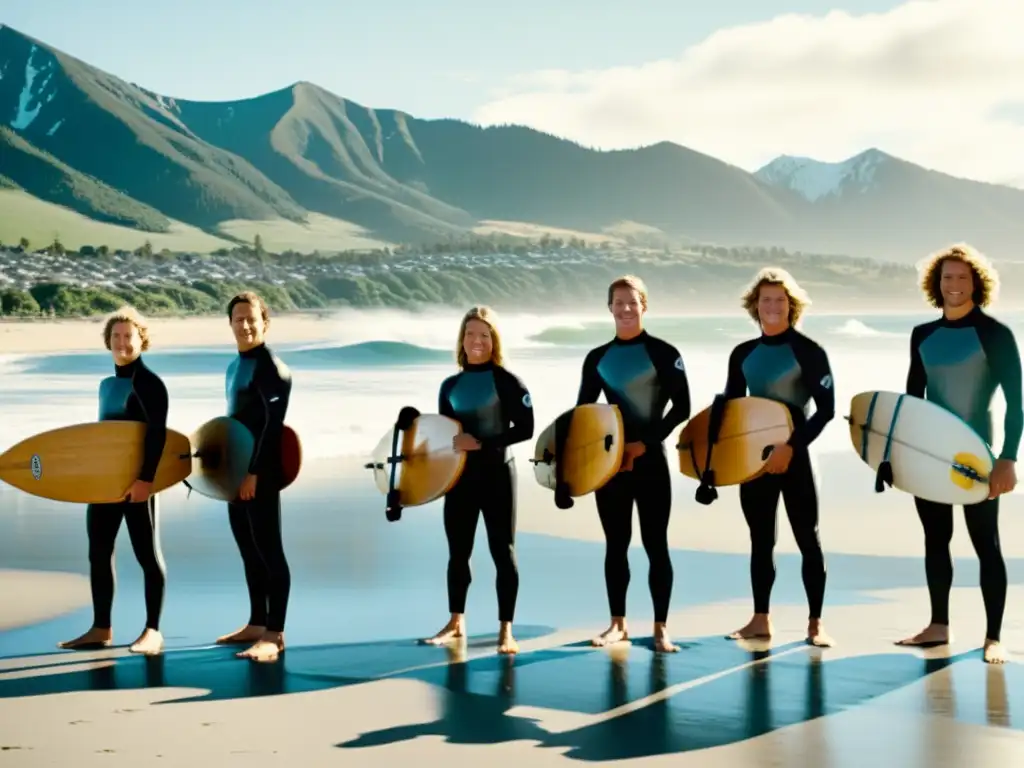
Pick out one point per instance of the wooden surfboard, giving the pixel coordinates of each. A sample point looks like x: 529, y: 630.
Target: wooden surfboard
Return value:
x: 221, y: 451
x: 91, y: 463
x: 417, y: 464
x: 934, y: 454
x: 749, y: 426
x: 592, y: 453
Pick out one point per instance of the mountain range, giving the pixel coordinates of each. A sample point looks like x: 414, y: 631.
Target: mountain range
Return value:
x: 76, y: 137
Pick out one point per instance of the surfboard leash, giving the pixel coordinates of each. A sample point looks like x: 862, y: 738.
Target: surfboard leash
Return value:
x: 963, y: 469
x: 706, y: 492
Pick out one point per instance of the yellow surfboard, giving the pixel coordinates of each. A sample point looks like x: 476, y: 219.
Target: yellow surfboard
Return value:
x: 749, y: 426
x: 91, y: 463
x: 414, y: 462
x: 592, y: 453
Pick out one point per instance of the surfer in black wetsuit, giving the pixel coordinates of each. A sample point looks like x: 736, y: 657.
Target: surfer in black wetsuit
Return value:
x: 640, y: 374
x: 783, y: 364
x: 133, y: 393
x: 258, y: 386
x: 493, y: 407
x: 958, y: 361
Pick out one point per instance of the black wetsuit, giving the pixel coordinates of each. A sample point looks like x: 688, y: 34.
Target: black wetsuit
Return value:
x: 791, y: 369
x: 493, y: 406
x: 133, y: 393
x: 258, y: 386
x: 959, y: 364
x: 640, y: 376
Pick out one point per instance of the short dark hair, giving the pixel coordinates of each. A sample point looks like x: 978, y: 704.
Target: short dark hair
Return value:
x: 253, y: 299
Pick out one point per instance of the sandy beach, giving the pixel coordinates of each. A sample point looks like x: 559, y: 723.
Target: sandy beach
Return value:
x: 355, y: 686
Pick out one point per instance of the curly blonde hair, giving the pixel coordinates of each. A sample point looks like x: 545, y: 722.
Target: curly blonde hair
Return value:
x: 126, y: 314
x: 986, y: 279
x: 490, y: 318
x: 798, y: 298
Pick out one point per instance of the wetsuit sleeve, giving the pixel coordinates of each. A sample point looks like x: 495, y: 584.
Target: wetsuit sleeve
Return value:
x: 817, y: 374
x: 917, y: 378
x: 1005, y: 357
x: 274, y: 386
x: 736, y: 382
x: 444, y: 404
x: 673, y: 380
x: 590, y: 382
x: 516, y: 408
x: 153, y: 398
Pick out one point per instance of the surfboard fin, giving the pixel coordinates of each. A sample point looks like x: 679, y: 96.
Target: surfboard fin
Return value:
x: 883, y: 476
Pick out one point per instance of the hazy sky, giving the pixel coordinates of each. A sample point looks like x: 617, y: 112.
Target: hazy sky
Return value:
x: 938, y: 82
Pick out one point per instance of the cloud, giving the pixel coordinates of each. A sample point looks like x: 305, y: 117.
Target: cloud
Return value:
x: 938, y: 82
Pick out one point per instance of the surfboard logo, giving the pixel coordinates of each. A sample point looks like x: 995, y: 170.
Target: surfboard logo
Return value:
x: 527, y: 402
x: 826, y: 381
x: 37, y: 466
x: 679, y: 363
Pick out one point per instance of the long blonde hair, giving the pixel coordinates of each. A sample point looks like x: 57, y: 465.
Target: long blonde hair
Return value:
x: 485, y: 315
x: 798, y: 298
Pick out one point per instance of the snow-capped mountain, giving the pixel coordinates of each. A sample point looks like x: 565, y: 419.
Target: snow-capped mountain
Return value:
x: 813, y: 180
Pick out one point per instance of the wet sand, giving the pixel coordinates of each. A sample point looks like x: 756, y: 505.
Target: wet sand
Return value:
x: 354, y: 685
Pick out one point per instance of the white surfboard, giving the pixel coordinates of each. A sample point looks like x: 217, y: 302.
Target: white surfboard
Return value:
x: 934, y: 454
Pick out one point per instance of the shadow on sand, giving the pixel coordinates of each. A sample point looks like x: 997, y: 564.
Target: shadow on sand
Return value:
x: 620, y: 703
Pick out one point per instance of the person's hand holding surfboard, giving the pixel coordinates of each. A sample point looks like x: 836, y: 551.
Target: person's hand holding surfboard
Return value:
x: 247, y: 490
x: 139, y: 491
x: 465, y: 442
x: 778, y: 459
x: 631, y: 452
x: 1003, y: 478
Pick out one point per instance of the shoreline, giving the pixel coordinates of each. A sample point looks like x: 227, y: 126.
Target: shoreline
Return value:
x: 20, y: 336
x: 29, y: 596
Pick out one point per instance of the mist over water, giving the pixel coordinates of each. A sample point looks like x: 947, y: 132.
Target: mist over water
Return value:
x: 346, y: 392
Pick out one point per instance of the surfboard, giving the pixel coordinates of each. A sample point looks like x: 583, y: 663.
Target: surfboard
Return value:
x: 414, y: 462
x: 750, y: 425
x: 592, y: 453
x: 221, y: 451
x: 933, y: 453
x: 91, y: 463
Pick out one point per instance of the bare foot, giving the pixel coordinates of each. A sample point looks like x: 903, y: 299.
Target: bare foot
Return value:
x: 662, y: 642
x: 247, y: 634
x: 759, y: 627
x: 931, y: 636
x: 94, y: 638
x: 616, y: 633
x: 265, y: 650
x: 455, y: 629
x: 506, y: 642
x: 817, y: 636
x: 150, y: 643
x: 995, y: 652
